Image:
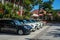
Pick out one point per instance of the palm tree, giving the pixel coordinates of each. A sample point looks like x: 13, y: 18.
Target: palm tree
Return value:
x: 51, y: 1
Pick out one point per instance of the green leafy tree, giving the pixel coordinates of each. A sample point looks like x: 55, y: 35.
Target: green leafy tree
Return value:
x: 48, y: 5
x: 27, y: 5
x: 1, y: 8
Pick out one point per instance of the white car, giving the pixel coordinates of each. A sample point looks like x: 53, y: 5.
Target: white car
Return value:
x: 36, y: 23
x: 39, y: 24
x: 42, y: 24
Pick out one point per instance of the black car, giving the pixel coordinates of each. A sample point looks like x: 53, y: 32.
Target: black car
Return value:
x: 22, y: 22
x: 14, y: 25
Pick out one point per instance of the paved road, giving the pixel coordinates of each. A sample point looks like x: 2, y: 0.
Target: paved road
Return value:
x: 52, y: 33
x: 8, y: 36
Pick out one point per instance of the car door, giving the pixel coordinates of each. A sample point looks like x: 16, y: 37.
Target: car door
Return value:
x: 10, y: 26
x: 2, y: 24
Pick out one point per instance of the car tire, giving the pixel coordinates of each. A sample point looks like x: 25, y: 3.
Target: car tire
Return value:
x: 33, y: 30
x: 0, y: 29
x: 37, y: 28
x: 20, y: 32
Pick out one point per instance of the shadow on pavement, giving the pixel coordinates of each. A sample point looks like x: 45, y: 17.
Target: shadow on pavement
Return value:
x: 10, y: 33
x: 54, y: 24
x: 55, y: 32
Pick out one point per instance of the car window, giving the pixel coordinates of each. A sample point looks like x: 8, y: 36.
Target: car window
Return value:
x: 2, y: 21
x: 17, y: 22
x: 25, y: 21
x: 37, y: 20
x: 6, y: 22
x: 28, y: 21
x: 9, y: 22
x: 21, y: 21
x: 32, y: 20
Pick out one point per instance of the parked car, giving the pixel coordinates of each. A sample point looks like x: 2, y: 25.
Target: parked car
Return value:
x: 37, y: 23
x: 33, y: 22
x: 30, y: 23
x: 14, y: 25
x: 42, y: 24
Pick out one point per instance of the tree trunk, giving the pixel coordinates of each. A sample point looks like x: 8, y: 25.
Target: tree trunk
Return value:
x: 21, y: 10
x: 2, y: 2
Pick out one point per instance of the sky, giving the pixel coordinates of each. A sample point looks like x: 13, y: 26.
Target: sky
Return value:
x: 56, y: 5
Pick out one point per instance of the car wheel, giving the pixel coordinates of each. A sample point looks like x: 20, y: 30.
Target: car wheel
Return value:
x: 33, y: 30
x: 36, y: 28
x: 0, y: 29
x: 20, y: 32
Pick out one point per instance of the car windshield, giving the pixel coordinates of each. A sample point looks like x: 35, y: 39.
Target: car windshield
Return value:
x: 32, y: 20
x: 17, y: 22
x: 21, y: 21
x: 25, y: 21
x: 29, y: 21
x: 37, y: 21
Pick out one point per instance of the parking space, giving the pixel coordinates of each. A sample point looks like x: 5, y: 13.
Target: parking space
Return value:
x: 5, y: 36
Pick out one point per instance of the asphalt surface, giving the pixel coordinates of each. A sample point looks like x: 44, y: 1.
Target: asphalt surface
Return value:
x: 52, y: 33
x: 12, y: 36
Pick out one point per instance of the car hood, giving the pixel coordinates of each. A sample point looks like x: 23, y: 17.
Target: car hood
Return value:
x: 28, y: 26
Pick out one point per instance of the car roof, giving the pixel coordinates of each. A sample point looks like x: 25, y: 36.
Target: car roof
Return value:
x: 6, y: 19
